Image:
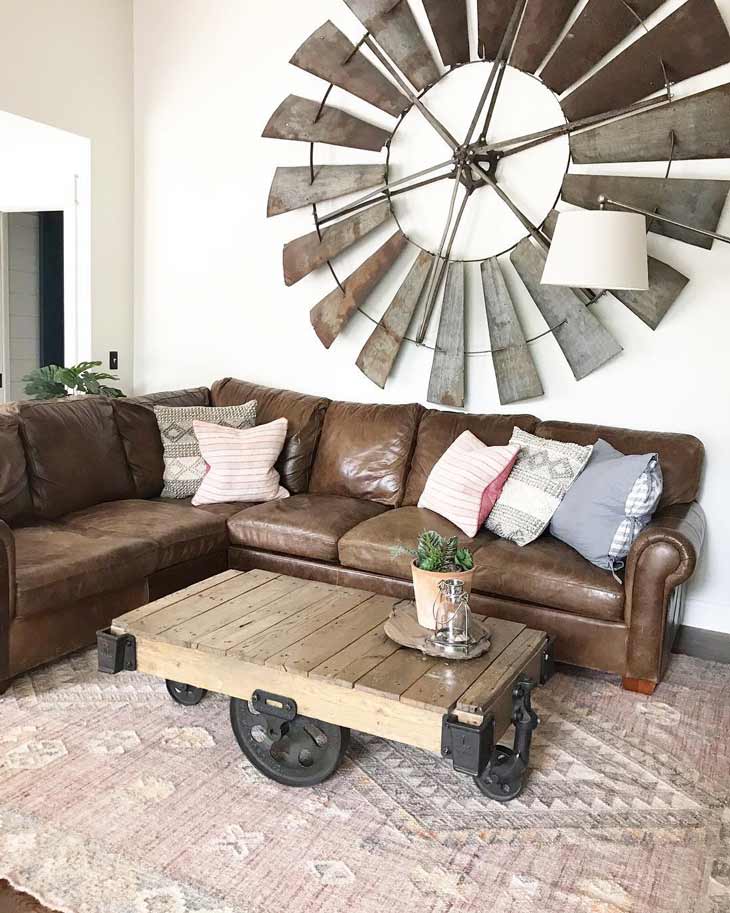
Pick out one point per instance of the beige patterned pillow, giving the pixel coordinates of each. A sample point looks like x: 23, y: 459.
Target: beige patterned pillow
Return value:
x: 543, y: 473
x: 184, y: 464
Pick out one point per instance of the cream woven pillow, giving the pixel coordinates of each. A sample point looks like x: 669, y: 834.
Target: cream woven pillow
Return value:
x: 241, y: 462
x: 544, y: 471
x: 184, y: 466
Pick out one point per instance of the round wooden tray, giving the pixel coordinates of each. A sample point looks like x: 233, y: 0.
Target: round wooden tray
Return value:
x: 404, y: 629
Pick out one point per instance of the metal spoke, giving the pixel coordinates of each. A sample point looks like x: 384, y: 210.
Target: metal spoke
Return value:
x: 375, y: 196
x: 516, y: 211
x: 497, y: 70
x: 530, y: 140
x: 588, y: 296
x: 440, y: 262
x: 445, y: 135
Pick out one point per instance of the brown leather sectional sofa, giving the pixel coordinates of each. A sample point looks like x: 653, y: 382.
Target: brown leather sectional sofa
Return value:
x: 85, y: 535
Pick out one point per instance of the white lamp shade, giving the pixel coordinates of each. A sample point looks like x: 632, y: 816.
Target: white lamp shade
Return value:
x: 598, y: 250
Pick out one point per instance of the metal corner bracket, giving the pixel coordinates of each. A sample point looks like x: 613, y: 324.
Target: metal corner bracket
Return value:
x: 117, y: 652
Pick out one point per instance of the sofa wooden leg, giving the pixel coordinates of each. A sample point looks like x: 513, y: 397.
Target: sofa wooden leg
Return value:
x: 640, y: 685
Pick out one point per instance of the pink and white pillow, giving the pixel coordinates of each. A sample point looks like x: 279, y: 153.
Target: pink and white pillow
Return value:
x: 466, y: 482
x: 241, y: 462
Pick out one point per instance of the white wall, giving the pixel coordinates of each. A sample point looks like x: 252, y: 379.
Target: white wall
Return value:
x: 210, y: 298
x: 76, y: 64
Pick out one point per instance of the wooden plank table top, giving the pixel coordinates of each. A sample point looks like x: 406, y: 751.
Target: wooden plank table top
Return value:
x: 328, y: 634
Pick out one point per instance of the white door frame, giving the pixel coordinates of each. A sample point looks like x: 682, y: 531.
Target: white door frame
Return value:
x: 44, y: 169
x: 4, y: 308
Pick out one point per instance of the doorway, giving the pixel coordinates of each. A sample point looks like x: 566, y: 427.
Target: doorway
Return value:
x: 32, y: 303
x: 45, y: 250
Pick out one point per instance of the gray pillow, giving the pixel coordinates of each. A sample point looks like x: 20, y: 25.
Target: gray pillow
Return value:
x: 608, y: 505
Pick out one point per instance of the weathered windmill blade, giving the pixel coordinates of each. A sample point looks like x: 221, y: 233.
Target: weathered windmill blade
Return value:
x: 332, y: 314
x: 306, y: 121
x: 446, y: 384
x: 514, y: 369
x: 450, y: 27
x: 692, y: 40
x: 601, y: 26
x: 303, y: 256
x: 379, y: 353
x: 396, y: 31
x: 665, y: 286
x: 494, y: 16
x: 700, y: 123
x: 585, y: 342
x: 329, y: 54
x: 293, y: 188
x: 696, y: 202
x: 543, y: 22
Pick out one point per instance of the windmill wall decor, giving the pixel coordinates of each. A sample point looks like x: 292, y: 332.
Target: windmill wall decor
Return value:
x: 627, y: 110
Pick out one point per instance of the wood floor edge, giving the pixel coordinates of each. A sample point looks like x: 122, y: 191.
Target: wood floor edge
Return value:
x: 703, y: 644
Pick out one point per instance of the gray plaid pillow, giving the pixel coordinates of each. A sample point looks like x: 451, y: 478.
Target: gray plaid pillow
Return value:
x: 609, y: 504
x: 184, y: 465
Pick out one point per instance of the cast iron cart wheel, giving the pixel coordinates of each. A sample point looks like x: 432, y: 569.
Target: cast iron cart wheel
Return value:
x: 299, y: 752
x: 187, y: 695
x: 496, y: 787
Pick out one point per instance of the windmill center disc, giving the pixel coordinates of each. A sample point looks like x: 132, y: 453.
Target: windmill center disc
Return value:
x: 532, y: 178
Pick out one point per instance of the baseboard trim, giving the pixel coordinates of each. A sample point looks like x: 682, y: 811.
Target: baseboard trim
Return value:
x: 712, y: 645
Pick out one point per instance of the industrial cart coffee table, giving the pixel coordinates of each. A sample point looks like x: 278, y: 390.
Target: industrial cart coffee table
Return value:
x: 303, y: 662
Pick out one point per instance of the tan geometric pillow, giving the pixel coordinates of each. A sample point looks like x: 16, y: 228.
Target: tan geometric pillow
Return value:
x: 184, y: 465
x: 543, y: 473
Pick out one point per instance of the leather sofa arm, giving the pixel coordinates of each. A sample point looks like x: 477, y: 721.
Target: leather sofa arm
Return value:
x: 663, y: 557
x: 7, y: 595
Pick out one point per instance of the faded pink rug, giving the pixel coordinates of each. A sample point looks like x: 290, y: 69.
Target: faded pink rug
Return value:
x: 113, y: 799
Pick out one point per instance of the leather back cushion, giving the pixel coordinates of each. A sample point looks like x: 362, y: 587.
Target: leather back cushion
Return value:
x: 305, y: 415
x: 74, y: 453
x: 365, y: 451
x: 140, y: 434
x: 15, y: 500
x: 681, y: 456
x: 438, y: 431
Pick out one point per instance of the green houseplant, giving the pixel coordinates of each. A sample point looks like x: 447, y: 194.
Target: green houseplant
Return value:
x: 436, y: 558
x: 54, y: 382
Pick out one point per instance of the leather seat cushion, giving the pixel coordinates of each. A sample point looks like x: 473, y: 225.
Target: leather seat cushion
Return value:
x: 549, y: 573
x: 75, y: 455
x: 305, y: 415
x: 309, y: 526
x: 15, y: 501
x: 218, y: 510
x: 140, y: 434
x: 369, y: 546
x: 681, y: 456
x: 176, y: 530
x: 364, y: 451
x: 57, y: 566
x: 437, y: 432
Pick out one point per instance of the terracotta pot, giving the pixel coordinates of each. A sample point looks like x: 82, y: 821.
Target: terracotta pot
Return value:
x: 426, y: 588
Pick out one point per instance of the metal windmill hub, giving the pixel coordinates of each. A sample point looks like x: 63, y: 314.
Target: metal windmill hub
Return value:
x: 466, y: 157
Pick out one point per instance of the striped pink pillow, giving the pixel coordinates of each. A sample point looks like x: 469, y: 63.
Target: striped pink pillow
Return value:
x: 465, y: 483
x: 240, y: 462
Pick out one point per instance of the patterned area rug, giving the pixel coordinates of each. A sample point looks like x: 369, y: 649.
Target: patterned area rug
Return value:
x: 113, y: 799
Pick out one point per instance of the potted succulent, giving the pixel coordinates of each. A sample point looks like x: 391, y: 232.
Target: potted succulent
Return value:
x: 436, y: 558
